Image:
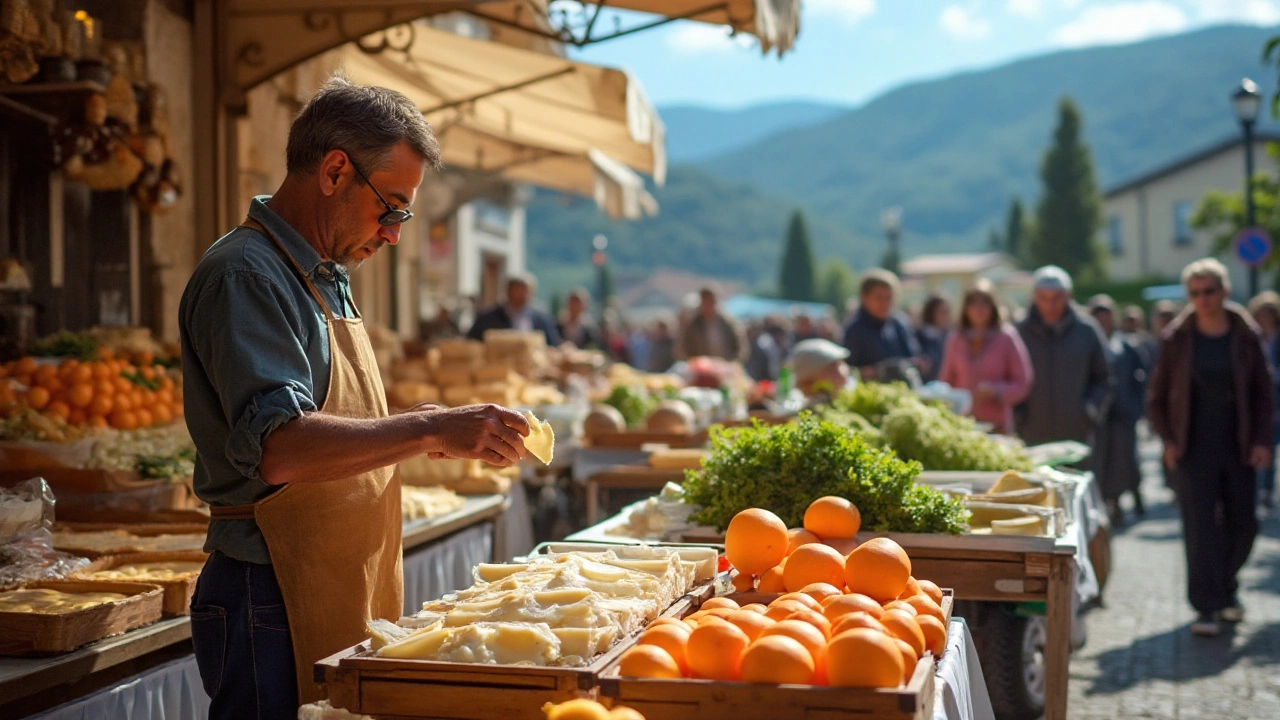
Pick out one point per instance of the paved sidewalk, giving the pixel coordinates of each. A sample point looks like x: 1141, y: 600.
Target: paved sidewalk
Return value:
x: 1141, y: 660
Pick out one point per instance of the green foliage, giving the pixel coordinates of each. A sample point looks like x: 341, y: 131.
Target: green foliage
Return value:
x: 1016, y: 232
x: 1070, y: 209
x: 633, y: 402
x: 836, y: 284
x: 557, y: 302
x: 928, y: 433
x: 784, y: 468
x: 604, y: 286
x: 1223, y: 213
x: 796, y: 273
x: 80, y: 346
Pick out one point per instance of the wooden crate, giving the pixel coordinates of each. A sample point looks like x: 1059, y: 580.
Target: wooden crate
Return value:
x: 635, y: 439
x: 361, y: 682
x: 36, y: 634
x: 177, y: 592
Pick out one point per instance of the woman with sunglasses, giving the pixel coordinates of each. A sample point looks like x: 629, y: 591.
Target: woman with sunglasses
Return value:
x: 986, y: 357
x: 1210, y: 401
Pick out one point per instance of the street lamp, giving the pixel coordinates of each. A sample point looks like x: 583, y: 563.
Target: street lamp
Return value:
x: 1247, y: 101
x: 599, y: 243
x: 891, y: 221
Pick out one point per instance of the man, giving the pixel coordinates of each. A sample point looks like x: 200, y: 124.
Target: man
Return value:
x: 662, y: 347
x: 1069, y: 359
x: 1117, y: 462
x: 820, y: 369
x: 711, y: 333
x: 516, y: 313
x: 576, y: 326
x: 296, y: 452
x: 877, y: 338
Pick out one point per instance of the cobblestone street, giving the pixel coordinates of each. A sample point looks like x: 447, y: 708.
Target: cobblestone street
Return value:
x: 1141, y: 660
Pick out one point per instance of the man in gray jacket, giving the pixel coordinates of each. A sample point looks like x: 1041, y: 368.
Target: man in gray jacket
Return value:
x: 1073, y: 383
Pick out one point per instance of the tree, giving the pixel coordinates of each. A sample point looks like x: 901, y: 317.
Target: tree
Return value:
x: 556, y: 303
x: 1015, y: 232
x: 1070, y: 209
x: 836, y: 284
x: 605, y: 286
x: 892, y: 259
x: 995, y: 243
x: 796, y: 274
x: 1223, y: 214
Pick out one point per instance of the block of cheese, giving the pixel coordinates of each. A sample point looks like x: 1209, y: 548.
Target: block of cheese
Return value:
x: 460, y: 350
x: 1025, y: 525
x: 541, y: 441
x: 448, y: 376
x: 500, y: 371
x: 489, y: 643
x: 44, y: 601
x: 428, y: 502
x: 459, y: 395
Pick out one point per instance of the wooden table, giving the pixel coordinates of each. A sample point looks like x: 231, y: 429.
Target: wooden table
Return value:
x: 626, y: 477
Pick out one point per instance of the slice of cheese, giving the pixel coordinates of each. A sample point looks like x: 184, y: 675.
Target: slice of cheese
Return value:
x: 1027, y: 525
x: 1010, y: 480
x: 541, y: 441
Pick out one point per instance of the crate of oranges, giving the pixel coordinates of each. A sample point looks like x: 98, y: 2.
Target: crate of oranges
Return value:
x: 811, y: 631
x: 71, y: 395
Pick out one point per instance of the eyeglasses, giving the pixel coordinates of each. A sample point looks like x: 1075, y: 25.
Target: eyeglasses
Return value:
x: 392, y: 216
x: 1207, y: 292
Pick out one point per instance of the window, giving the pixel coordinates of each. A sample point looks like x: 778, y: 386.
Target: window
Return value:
x: 1182, y: 223
x: 492, y: 218
x: 1115, y: 239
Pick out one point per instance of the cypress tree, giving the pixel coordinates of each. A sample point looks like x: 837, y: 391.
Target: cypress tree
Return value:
x: 1070, y: 209
x: 1015, y: 231
x: 796, y: 274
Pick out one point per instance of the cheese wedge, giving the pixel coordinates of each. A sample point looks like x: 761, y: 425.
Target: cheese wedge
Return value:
x: 1026, y: 525
x: 1010, y: 480
x: 541, y: 441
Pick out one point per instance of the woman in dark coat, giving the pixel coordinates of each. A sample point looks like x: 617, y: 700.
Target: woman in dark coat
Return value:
x: 1210, y: 401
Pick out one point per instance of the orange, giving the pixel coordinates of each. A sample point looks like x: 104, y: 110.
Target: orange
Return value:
x: 720, y: 602
x: 778, y: 660
x: 670, y: 639
x: 844, y: 546
x: 58, y: 408
x: 648, y: 661
x: 814, y: 563
x: 621, y: 712
x: 799, y: 536
x: 45, y: 374
x: 99, y: 422
x: 176, y: 408
x: 162, y: 415
x: 123, y: 401
x: 26, y: 366
x: 904, y: 627
x: 755, y: 541
x: 878, y: 568
x: 715, y: 651
x: 815, y: 619
x: 77, y: 417
x: 930, y: 588
x: 756, y: 608
x: 145, y: 418
x: 935, y: 634
x: 667, y: 621
x: 164, y: 396
x: 771, y: 581
x: 80, y: 395
x: 780, y: 609
x: 821, y: 591
x: 101, y: 405
x: 832, y: 517
x: 751, y: 623
x: 909, y: 659
x: 904, y: 607
x: 37, y: 398
x: 146, y: 357
x: 147, y: 372
x: 808, y: 636
x: 100, y: 370
x: 913, y: 588
x: 925, y: 606
x: 122, y: 384
x: 864, y: 658
x: 852, y: 603
x: 103, y: 388
x: 124, y: 420
x: 857, y: 619
x: 803, y: 599
x: 742, y: 582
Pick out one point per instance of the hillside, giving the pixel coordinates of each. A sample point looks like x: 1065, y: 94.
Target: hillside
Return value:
x: 696, y: 133
x: 950, y: 152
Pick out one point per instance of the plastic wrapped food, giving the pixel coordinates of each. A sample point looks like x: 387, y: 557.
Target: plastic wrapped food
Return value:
x: 26, y: 543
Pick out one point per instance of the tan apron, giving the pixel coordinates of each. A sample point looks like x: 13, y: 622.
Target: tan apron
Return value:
x: 335, y: 546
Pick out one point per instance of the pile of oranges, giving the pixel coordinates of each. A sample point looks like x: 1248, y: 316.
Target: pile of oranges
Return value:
x: 107, y: 392
x: 855, y: 619
x: 583, y: 709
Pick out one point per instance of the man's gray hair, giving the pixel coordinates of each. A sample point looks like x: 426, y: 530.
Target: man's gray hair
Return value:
x: 1052, y: 277
x: 1209, y: 268
x: 364, y: 121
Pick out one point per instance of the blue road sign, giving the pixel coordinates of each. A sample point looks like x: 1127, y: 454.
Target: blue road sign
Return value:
x: 1253, y: 246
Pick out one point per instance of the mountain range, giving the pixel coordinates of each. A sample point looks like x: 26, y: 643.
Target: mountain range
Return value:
x: 950, y: 152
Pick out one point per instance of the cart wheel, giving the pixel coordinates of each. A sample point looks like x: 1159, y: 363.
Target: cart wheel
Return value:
x: 1012, y: 656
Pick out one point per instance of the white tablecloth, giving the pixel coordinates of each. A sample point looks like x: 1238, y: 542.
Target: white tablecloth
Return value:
x: 960, y: 692
x: 169, y: 692
x: 517, y: 527
x: 445, y: 565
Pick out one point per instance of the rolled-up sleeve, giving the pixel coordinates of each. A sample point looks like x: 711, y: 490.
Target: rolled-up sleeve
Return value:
x: 250, y: 340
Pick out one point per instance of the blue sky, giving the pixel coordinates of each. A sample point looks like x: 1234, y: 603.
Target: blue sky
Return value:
x: 849, y: 51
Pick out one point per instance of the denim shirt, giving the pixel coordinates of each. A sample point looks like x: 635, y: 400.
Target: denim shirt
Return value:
x: 255, y: 355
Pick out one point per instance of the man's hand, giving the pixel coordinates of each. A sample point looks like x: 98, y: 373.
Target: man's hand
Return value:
x: 1260, y: 457
x: 478, y: 432
x: 1170, y: 457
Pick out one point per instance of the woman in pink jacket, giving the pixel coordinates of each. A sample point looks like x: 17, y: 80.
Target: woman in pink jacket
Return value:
x: 987, y: 358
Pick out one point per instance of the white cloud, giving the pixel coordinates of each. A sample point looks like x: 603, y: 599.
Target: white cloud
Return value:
x: 695, y: 37
x: 1025, y: 8
x: 1253, y: 12
x: 960, y: 23
x: 1121, y: 23
x: 849, y: 12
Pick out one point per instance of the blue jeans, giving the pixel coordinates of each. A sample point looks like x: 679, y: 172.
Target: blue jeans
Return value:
x: 242, y: 642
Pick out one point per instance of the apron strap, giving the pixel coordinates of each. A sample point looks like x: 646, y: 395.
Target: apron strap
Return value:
x: 255, y: 225
x: 232, y: 512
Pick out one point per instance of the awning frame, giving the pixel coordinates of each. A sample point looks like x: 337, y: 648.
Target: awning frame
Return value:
x: 565, y: 33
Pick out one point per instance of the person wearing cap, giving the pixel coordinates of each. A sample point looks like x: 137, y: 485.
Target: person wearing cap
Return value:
x: 819, y: 368
x: 986, y: 357
x: 1068, y: 355
x: 1117, y: 461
